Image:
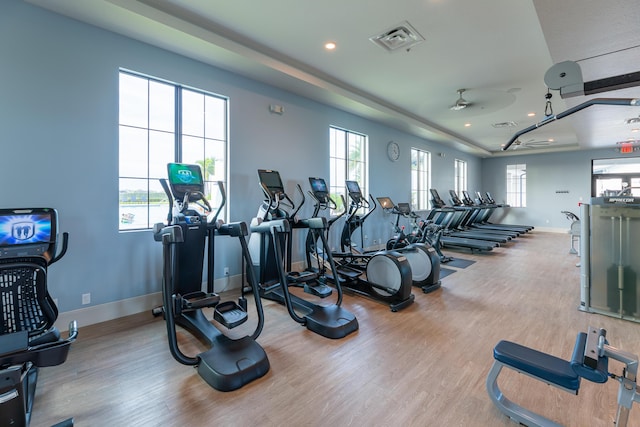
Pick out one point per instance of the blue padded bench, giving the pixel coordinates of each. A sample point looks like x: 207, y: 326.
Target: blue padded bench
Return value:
x: 543, y: 366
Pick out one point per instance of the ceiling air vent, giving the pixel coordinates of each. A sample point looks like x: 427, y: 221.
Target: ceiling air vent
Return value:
x: 400, y: 37
x: 504, y: 125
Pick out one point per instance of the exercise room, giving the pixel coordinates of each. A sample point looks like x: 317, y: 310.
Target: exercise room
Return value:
x: 352, y: 214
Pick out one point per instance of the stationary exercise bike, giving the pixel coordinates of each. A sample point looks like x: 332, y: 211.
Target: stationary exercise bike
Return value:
x: 384, y: 276
x: 229, y: 363
x: 422, y: 257
x: 590, y: 361
x: 28, y: 339
x: 271, y: 246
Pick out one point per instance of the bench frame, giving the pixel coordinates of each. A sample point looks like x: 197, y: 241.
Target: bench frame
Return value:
x: 596, y: 348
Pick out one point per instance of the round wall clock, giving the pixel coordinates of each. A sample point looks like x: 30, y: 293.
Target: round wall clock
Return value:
x: 393, y: 151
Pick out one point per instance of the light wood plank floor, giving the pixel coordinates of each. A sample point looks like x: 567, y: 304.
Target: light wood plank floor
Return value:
x: 424, y: 366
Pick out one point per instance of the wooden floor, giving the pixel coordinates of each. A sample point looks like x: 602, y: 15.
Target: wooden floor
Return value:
x: 424, y: 366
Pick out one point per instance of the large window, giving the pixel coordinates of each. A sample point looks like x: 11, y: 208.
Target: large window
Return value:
x: 162, y: 122
x: 517, y: 185
x: 420, y: 178
x: 612, y: 177
x: 460, y: 175
x: 348, y: 159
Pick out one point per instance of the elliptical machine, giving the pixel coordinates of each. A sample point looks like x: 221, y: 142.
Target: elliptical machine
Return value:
x: 422, y: 257
x: 230, y: 363
x: 388, y: 273
x: 271, y: 245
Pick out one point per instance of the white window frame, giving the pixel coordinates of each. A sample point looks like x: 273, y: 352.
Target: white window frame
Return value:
x: 420, y: 179
x: 516, y: 185
x: 460, y: 175
x: 349, y: 159
x: 159, y: 129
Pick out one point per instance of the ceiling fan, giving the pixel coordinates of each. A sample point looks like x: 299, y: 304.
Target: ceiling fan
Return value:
x: 532, y: 143
x: 461, y: 103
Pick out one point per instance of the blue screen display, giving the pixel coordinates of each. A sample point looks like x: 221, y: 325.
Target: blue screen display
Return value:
x: 182, y: 174
x: 22, y: 229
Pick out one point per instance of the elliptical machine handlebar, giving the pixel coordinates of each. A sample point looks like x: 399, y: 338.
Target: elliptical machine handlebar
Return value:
x: 361, y: 203
x: 274, y: 200
x: 63, y: 250
x: 328, y: 202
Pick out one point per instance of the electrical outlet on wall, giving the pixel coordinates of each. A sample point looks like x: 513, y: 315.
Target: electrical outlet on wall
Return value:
x: 86, y: 299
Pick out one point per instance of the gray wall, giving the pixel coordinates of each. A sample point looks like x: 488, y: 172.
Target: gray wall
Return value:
x: 555, y: 182
x: 59, y: 121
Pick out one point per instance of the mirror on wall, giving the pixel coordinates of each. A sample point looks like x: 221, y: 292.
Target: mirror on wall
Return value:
x: 615, y: 177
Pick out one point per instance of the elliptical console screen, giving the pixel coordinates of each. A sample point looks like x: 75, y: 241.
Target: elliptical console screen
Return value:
x: 26, y: 226
x: 404, y: 208
x: 353, y: 188
x: 319, y: 187
x: 385, y: 202
x: 185, y: 178
x: 271, y: 180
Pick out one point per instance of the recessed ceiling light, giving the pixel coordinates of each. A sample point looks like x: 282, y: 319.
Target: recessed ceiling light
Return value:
x: 550, y: 140
x: 330, y: 45
x: 467, y: 125
x: 531, y: 114
x: 635, y: 130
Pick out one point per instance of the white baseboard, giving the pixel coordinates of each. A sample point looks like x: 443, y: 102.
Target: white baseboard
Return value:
x: 126, y: 307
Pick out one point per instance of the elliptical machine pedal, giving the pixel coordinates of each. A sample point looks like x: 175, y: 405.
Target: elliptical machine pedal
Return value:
x: 230, y: 314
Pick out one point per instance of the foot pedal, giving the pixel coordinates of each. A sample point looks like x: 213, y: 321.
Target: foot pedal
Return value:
x: 230, y: 314
x: 197, y: 300
x: 294, y: 277
x: 318, y: 289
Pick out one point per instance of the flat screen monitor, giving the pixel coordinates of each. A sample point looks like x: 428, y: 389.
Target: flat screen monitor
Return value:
x: 353, y: 188
x: 185, y: 178
x: 26, y: 226
x: 319, y: 187
x: 454, y: 197
x: 271, y: 180
x: 404, y: 208
x: 385, y: 202
x: 436, y: 196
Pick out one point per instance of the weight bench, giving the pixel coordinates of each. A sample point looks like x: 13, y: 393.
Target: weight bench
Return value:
x: 589, y: 361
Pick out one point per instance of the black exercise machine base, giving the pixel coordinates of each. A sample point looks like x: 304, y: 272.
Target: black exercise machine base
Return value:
x: 230, y: 364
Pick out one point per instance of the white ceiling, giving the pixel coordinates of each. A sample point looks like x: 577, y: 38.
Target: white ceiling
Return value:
x: 498, y: 50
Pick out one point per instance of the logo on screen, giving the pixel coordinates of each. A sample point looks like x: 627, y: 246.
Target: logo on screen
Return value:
x: 23, y: 230
x: 185, y: 175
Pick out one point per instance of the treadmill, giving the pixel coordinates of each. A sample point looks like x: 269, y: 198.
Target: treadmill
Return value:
x: 467, y: 222
x: 443, y: 215
x: 487, y: 207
